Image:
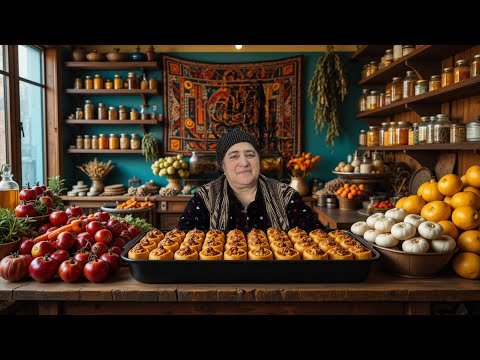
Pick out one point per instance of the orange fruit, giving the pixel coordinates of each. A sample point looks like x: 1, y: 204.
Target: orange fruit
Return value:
x: 473, y: 175
x: 420, y: 188
x: 465, y: 217
x: 469, y: 241
x: 467, y: 265
x: 430, y: 192
x: 464, y: 180
x: 448, y: 200
x: 436, y: 211
x: 450, y: 184
x: 465, y: 198
x: 413, y: 204
x: 473, y: 189
x: 399, y: 203
x: 449, y: 228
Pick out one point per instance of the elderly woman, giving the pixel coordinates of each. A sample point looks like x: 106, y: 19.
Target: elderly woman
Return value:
x: 242, y: 198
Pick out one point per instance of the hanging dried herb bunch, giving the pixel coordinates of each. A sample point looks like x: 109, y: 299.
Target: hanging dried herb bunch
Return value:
x: 150, y: 146
x: 329, y: 86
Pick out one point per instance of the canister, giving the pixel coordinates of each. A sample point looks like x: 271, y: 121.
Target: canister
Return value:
x: 473, y: 130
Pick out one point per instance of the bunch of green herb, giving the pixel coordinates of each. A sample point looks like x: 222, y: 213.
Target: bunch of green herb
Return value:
x: 56, y: 184
x: 150, y: 147
x: 12, y: 226
x: 142, y: 224
x: 329, y: 86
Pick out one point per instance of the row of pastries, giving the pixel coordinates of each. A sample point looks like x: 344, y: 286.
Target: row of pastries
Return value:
x: 275, y: 244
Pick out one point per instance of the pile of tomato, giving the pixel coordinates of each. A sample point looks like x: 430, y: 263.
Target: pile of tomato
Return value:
x: 72, y: 245
x: 383, y: 205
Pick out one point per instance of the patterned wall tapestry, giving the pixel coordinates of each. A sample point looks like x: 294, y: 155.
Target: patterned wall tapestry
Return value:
x: 203, y: 100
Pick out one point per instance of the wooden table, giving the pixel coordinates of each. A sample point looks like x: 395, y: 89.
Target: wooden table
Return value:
x: 380, y: 293
x: 338, y: 219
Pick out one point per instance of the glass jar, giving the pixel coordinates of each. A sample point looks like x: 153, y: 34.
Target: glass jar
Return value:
x: 108, y: 84
x: 87, y: 142
x: 79, y: 142
x: 144, y: 83
x: 135, y: 143
x: 366, y: 166
x: 103, y: 142
x: 133, y: 114
x: 447, y: 76
x: 102, y: 112
x: 9, y: 189
x: 78, y: 83
x: 407, y: 49
x: 132, y: 80
x: 458, y: 133
x: 421, y: 87
x: 113, y: 142
x: 409, y: 82
x: 372, y: 136
x: 79, y: 113
x: 88, y: 82
x: 98, y: 82
x: 154, y: 114
x: 392, y: 129
x: 381, y: 99
x: 422, y: 129
x: 413, y: 134
x: 401, y: 133
x: 364, y: 71
x: 124, y: 142
x: 193, y: 163
x: 112, y: 113
x: 153, y: 83
x: 461, y: 71
x: 430, y: 129
x: 397, y: 52
x: 362, y: 102
x: 122, y: 112
x: 117, y: 82
x: 95, y: 142
x: 144, y: 112
x: 473, y: 130
x: 373, y: 67
x: 475, y: 67
x: 382, y: 134
x: 388, y: 93
x: 441, y: 129
x: 373, y: 100
x: 435, y: 82
x: 388, y: 57
x: 88, y: 110
x: 377, y: 162
x: 362, y: 138
x: 397, y: 89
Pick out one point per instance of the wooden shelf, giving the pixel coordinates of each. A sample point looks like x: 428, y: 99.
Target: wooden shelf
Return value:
x: 111, y: 122
x: 97, y: 151
x: 471, y: 145
x: 112, y: 91
x: 370, y: 52
x: 107, y: 65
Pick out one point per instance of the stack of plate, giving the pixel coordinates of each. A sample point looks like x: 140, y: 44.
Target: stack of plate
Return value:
x: 114, y: 190
x: 78, y: 190
x: 152, y: 187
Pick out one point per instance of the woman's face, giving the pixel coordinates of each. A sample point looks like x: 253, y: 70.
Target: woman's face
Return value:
x: 241, y: 165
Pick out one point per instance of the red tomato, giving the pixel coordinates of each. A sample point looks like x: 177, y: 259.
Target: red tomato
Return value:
x: 120, y: 242
x: 99, y: 248
x: 60, y: 255
x: 46, y: 200
x: 102, y: 215
x: 14, y: 267
x: 96, y: 270
x: 43, y: 268
x: 27, y: 194
x: 84, y: 240
x: 134, y: 230
x: 93, y: 227
x: 113, y: 260
x: 82, y: 257
x: 49, y: 193
x: 115, y: 250
x: 70, y: 270
x: 26, y: 246
x: 65, y: 240
x: 114, y: 226
x: 38, y: 189
x: 74, y: 211
x: 58, y: 218
x: 42, y: 248
x: 25, y: 209
x: 43, y: 228
x: 104, y: 236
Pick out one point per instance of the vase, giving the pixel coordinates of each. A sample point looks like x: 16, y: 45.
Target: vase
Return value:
x: 174, y: 184
x: 300, y: 184
x: 98, y: 184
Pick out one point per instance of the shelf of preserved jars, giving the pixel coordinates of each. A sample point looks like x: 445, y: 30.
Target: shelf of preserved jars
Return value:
x: 429, y: 102
x: 112, y: 65
x: 471, y: 145
x: 112, y: 91
x: 101, y: 151
x: 112, y: 122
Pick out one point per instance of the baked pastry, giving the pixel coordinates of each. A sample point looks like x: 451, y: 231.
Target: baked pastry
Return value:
x: 280, y: 244
x: 175, y: 237
x: 339, y: 253
x: 194, y: 244
x: 236, y: 237
x: 348, y: 243
x: 235, y: 253
x: 148, y: 244
x: 317, y: 235
x: 236, y: 234
x: 360, y: 252
x: 196, y: 234
x: 296, y: 230
x: 160, y: 253
x: 236, y: 243
x: 341, y: 238
x: 186, y: 253
x: 215, y: 235
x: 138, y: 252
x: 169, y: 244
x: 303, y: 244
x: 261, y: 253
x: 209, y: 253
x: 257, y: 233
x: 156, y: 235
x: 314, y: 253
x: 272, y: 232
x: 327, y: 244
x: 216, y: 243
x: 334, y: 233
x: 287, y: 253
x: 177, y: 231
x: 298, y: 237
x: 255, y: 241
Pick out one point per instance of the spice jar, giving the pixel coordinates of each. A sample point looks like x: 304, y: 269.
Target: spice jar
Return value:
x: 98, y: 82
x: 79, y: 113
x: 473, y: 130
x: 108, y: 84
x: 79, y: 142
x: 397, y: 52
x: 135, y: 143
x: 401, y: 133
x: 362, y: 102
x: 153, y: 83
x: 102, y: 111
x: 362, y: 138
x: 88, y: 110
x: 422, y: 130
x: 382, y: 134
x: 144, y: 112
x: 373, y: 67
x: 373, y: 100
x: 103, y: 142
x: 388, y: 57
x: 441, y: 129
x: 124, y: 142
x: 95, y: 142
x: 117, y: 82
x: 78, y: 83
x: 435, y: 82
x: 133, y: 114
x: 447, y: 76
x: 132, y: 80
x: 388, y: 93
x: 407, y: 49
x: 392, y: 129
x: 413, y: 134
x: 87, y: 142
x: 366, y: 167
x: 122, y: 112
x: 409, y: 82
x: 430, y: 130
x: 113, y: 142
x: 421, y: 87
x: 112, y: 113
x: 372, y: 136
x: 397, y: 89
x: 462, y: 71
x: 88, y: 82
x: 475, y: 67
x: 458, y: 133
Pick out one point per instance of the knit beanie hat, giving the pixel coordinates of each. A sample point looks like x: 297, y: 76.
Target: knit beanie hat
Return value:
x: 232, y: 137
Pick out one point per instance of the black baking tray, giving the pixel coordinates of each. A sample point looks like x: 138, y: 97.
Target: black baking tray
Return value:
x: 249, y: 271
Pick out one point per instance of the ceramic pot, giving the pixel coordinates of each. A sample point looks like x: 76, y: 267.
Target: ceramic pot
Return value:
x: 98, y: 184
x: 138, y: 55
x: 78, y: 54
x: 300, y: 184
x: 174, y: 184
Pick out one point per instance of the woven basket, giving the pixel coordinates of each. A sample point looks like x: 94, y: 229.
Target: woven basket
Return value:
x: 348, y: 204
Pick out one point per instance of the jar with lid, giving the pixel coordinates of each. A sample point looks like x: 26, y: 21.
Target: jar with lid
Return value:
x: 98, y: 82
x: 102, y: 111
x: 373, y: 67
x: 397, y: 52
x: 122, y: 112
x: 144, y: 83
x: 407, y: 49
x: 381, y: 63
x: 78, y: 84
x: 153, y: 83
x: 154, y: 114
x: 132, y: 80
x: 458, y: 133
x: 113, y: 142
x: 421, y: 87
x: 87, y: 142
x: 117, y: 82
x: 377, y: 162
x: 388, y: 57
x: 366, y: 167
x: 461, y: 71
x: 388, y: 93
x: 133, y: 114
x: 413, y: 134
x: 475, y: 67
x: 124, y: 142
x: 373, y: 100
x: 88, y: 110
x: 447, y: 76
x: 103, y: 142
x: 362, y: 138
x: 112, y: 113
x: 79, y: 113
x: 397, y: 89
x: 135, y: 143
x: 422, y: 129
x: 372, y: 136
x: 79, y: 142
x: 381, y: 99
x: 392, y: 130
x: 108, y: 84
x: 382, y: 134
x: 435, y: 82
x: 144, y: 112
x: 409, y: 82
x: 88, y: 82
x: 95, y: 142
x: 401, y: 133
x: 441, y: 129
x: 430, y: 129
x: 473, y: 130
x: 362, y: 103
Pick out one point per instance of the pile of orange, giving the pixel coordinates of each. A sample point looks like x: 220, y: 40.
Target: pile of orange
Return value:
x: 348, y: 191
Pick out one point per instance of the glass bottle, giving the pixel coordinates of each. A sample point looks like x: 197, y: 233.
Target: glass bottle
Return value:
x: 88, y: 82
x: 9, y: 189
x: 108, y: 84
x: 435, y: 82
x: 372, y: 136
x: 102, y: 112
x: 447, y: 76
x: 373, y: 100
x: 132, y: 80
x: 112, y: 113
x: 150, y: 53
x: 362, y: 102
x: 397, y: 89
x: 95, y: 142
x: 103, y: 142
x: 135, y: 143
x: 98, y: 82
x: 475, y: 66
x: 461, y: 71
x: 409, y: 82
x: 144, y: 112
x: 133, y: 114
x: 79, y: 113
x: 113, y: 142
x: 124, y: 142
x: 117, y: 82
x: 88, y: 110
x: 362, y: 138
x: 87, y: 142
x: 78, y: 83
x: 122, y: 112
x: 153, y: 83
x: 441, y: 129
x: 381, y: 99
x: 193, y: 163
x: 422, y: 130
x: 430, y: 131
x: 144, y: 83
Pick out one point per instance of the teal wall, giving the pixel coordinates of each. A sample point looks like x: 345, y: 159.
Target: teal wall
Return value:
x: 126, y: 166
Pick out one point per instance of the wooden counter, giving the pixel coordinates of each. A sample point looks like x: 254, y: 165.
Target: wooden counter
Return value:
x: 380, y: 293
x: 338, y: 219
